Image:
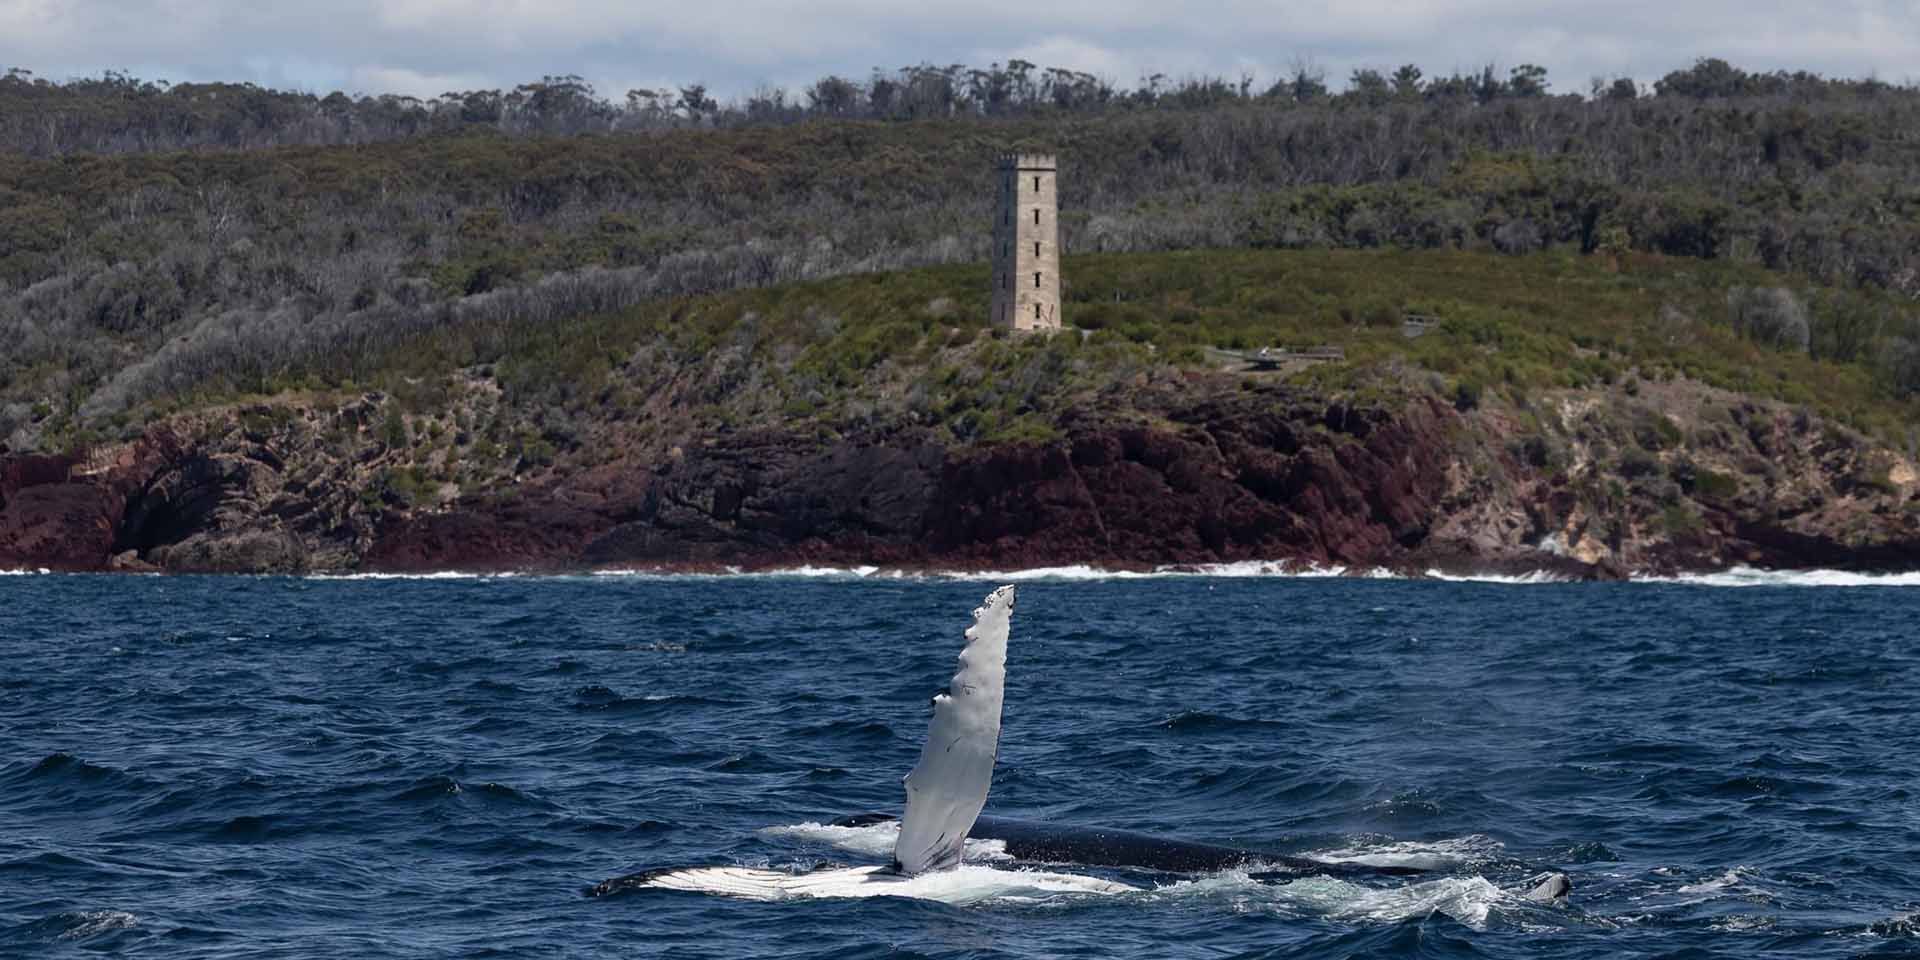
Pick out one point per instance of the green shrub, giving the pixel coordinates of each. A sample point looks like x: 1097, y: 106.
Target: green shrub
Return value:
x: 1466, y: 395
x: 393, y: 430
x: 1712, y: 485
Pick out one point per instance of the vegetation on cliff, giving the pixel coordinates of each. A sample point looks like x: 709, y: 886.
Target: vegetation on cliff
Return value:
x: 1613, y: 414
x: 913, y: 348
x: 133, y: 279
x: 1618, y: 331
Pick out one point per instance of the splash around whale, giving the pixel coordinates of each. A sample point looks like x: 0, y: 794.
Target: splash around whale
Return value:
x: 946, y: 792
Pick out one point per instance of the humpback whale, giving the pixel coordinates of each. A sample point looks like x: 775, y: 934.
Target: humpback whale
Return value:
x: 946, y: 791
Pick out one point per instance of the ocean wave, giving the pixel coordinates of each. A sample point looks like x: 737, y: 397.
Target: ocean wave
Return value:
x: 597, y: 698
x: 81, y: 924
x: 1756, y: 577
x: 1069, y: 572
x: 1451, y: 853
x: 1236, y: 570
x: 430, y: 575
x: 804, y: 572
x: 1732, y: 881
x: 1474, y: 901
x: 1904, y: 925
x: 1521, y: 579
x: 1201, y: 721
x: 88, y: 923
x: 63, y: 775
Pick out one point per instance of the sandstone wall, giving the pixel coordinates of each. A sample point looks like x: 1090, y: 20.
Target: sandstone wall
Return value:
x: 1026, y: 244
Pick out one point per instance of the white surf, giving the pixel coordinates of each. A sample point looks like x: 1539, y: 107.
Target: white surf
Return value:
x: 1753, y: 577
x: 1474, y: 901
x: 956, y: 885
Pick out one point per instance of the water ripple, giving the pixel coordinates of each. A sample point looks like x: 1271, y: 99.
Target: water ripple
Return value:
x: 248, y: 767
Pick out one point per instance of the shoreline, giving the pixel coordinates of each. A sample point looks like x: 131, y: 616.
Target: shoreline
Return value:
x: 1729, y: 577
x: 1232, y: 479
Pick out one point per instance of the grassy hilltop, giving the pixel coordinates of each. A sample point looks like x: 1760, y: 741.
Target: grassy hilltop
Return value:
x: 914, y: 344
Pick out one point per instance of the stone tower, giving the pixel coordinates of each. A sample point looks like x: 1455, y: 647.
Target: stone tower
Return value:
x: 1026, y: 244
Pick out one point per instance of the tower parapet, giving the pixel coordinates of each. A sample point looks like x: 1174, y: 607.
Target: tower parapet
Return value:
x: 1026, y: 243
x: 1028, y: 161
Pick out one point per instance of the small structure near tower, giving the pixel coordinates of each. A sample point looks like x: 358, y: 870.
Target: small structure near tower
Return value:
x: 1026, y: 244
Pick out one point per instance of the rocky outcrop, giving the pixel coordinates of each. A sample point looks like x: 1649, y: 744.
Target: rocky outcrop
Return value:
x: 1236, y: 483
x: 62, y: 526
x: 1597, y: 485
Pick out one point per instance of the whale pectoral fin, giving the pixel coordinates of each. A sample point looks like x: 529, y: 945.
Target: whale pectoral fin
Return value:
x: 948, y: 787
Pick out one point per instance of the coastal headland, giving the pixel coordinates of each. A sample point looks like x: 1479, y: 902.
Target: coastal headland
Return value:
x: 716, y: 441
x: 1462, y: 323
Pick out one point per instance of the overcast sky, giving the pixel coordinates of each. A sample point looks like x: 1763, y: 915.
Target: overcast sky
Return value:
x: 426, y: 47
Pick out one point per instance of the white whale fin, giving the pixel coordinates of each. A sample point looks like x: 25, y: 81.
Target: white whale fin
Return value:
x: 949, y: 785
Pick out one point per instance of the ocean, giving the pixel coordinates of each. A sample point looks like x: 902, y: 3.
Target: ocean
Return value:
x: 441, y: 767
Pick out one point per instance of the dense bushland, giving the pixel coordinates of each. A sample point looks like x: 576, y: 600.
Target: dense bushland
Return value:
x: 331, y: 242
x: 912, y: 348
x: 119, y: 113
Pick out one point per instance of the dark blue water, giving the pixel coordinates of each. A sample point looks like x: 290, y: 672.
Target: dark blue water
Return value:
x: 238, y: 767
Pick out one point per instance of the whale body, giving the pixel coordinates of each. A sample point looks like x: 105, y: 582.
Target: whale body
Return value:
x: 946, y: 791
x: 1039, y: 841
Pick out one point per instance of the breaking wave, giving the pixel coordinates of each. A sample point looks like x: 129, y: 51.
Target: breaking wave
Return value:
x: 1522, y: 579
x: 1238, y: 570
x: 1074, y: 572
x: 431, y: 575
x: 1755, y: 577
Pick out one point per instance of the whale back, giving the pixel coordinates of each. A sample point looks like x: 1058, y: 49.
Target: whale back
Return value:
x: 948, y: 787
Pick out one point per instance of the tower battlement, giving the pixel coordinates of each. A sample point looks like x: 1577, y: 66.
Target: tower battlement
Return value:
x: 1026, y: 243
x: 1027, y: 161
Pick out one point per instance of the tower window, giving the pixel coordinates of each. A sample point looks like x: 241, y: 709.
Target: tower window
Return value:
x: 1036, y: 216
x: 1036, y: 281
x: 1036, y: 248
x: 1036, y: 311
x: 1036, y: 184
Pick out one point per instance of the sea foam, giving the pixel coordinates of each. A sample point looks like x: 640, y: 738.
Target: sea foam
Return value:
x: 1754, y: 577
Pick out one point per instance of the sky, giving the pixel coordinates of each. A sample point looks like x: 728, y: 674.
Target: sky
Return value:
x: 427, y: 47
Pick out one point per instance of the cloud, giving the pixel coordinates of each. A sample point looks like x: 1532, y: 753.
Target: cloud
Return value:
x: 427, y: 46
x: 1072, y: 53
x: 414, y: 83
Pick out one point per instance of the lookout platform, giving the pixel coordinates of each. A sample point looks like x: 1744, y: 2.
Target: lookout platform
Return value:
x: 1276, y: 359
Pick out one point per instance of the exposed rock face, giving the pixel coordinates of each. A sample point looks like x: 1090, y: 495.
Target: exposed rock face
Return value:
x: 1242, y: 485
x: 62, y: 526
x: 1610, y: 485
